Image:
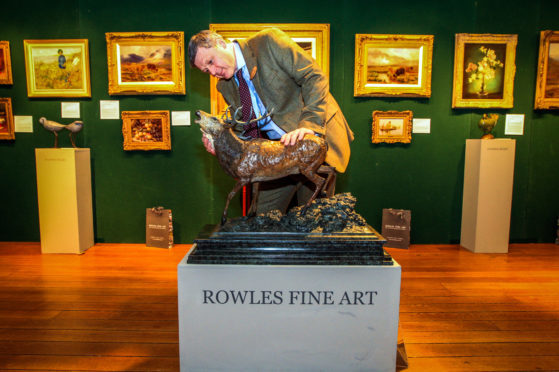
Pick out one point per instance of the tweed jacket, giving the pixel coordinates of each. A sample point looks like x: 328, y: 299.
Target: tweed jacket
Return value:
x: 291, y: 83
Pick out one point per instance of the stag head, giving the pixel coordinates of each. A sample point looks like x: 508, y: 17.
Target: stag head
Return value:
x: 210, y: 125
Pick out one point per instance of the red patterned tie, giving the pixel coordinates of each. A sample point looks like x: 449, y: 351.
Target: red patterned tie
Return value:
x: 251, y: 130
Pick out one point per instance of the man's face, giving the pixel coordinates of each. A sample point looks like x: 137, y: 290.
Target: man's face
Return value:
x: 218, y: 61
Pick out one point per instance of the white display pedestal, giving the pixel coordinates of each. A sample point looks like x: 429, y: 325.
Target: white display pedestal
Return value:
x: 65, y: 203
x: 486, y: 206
x: 288, y: 318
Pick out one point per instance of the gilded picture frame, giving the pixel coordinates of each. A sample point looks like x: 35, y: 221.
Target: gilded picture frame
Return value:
x: 146, y: 130
x: 7, y: 131
x: 392, y: 126
x: 393, y: 65
x: 312, y: 37
x: 146, y: 63
x: 57, y: 68
x: 547, y: 82
x: 484, y: 69
x: 5, y: 64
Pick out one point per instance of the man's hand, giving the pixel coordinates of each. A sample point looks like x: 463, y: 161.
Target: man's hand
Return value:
x: 208, y: 144
x: 289, y: 139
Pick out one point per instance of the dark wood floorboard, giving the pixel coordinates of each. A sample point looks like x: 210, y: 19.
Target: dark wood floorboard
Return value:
x: 114, y: 308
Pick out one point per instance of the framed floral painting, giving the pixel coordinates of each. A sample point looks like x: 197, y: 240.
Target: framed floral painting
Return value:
x: 484, y: 69
x: 5, y: 63
x: 145, y: 62
x: 547, y: 84
x: 392, y: 126
x: 314, y: 38
x: 6, y: 120
x: 393, y: 65
x: 146, y: 130
x: 57, y: 68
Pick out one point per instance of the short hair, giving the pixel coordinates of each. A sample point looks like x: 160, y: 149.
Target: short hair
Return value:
x: 204, y: 39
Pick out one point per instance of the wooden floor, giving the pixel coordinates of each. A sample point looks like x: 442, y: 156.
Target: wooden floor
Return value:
x: 115, y: 308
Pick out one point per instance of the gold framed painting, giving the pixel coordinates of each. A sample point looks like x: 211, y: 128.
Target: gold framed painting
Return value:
x: 6, y: 120
x: 392, y: 126
x: 547, y: 83
x: 145, y: 63
x: 393, y: 65
x: 57, y: 68
x: 314, y: 38
x: 5, y: 63
x: 484, y: 69
x: 146, y: 130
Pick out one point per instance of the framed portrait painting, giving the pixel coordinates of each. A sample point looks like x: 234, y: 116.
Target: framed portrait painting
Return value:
x: 314, y: 38
x: 146, y: 130
x: 393, y: 65
x: 547, y: 83
x: 484, y: 69
x: 57, y: 68
x: 392, y: 126
x: 6, y: 120
x: 145, y: 62
x: 5, y: 63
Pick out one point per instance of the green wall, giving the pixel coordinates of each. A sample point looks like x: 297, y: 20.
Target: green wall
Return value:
x: 425, y: 176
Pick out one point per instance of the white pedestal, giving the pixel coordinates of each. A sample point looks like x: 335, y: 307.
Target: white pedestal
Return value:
x: 486, y: 206
x: 291, y: 318
x: 65, y: 204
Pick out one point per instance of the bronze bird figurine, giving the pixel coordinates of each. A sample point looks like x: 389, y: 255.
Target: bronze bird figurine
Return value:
x: 54, y: 127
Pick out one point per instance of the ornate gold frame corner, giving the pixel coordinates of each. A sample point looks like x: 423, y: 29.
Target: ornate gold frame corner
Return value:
x: 361, y: 87
x: 510, y: 69
x: 542, y: 81
x: 403, y: 137
x: 128, y: 118
x: 5, y: 47
x: 83, y: 63
x: 177, y: 83
x: 10, y: 132
x: 320, y: 32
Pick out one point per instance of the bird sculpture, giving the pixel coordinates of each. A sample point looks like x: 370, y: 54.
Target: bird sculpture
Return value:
x: 55, y: 127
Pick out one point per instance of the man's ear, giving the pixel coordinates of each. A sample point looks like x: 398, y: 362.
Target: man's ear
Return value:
x: 221, y: 43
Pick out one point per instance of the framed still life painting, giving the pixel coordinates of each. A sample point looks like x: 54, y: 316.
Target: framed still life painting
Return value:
x: 484, y: 69
x: 547, y: 83
x: 393, y: 65
x: 145, y: 62
x: 6, y: 120
x: 5, y: 63
x: 392, y: 126
x: 146, y: 130
x: 57, y: 68
x: 314, y: 38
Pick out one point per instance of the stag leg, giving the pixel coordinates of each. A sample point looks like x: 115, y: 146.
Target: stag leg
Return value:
x: 237, y: 187
x: 255, y: 193
x: 318, y: 181
x: 331, y: 177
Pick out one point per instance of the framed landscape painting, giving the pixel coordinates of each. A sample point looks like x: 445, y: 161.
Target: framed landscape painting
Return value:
x: 547, y: 83
x: 393, y: 65
x: 392, y: 126
x: 484, y: 69
x: 146, y: 130
x: 5, y: 63
x: 314, y: 38
x: 145, y: 62
x: 57, y: 68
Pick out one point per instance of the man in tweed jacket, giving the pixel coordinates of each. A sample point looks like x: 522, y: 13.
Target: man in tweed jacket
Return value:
x: 287, y: 80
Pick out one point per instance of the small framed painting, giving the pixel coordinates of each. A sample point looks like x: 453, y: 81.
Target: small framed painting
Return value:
x: 145, y: 62
x: 57, y: 68
x: 146, y: 130
x: 6, y: 120
x: 392, y: 126
x: 5, y: 63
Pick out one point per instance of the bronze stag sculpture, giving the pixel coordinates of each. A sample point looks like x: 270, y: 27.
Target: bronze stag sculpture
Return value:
x: 260, y: 159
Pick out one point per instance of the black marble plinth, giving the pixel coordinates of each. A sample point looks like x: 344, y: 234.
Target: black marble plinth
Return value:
x: 289, y: 248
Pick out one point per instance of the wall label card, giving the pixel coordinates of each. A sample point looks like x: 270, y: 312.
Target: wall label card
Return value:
x: 109, y: 109
x: 421, y: 125
x: 70, y: 110
x: 180, y: 118
x: 514, y: 125
x: 23, y: 124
